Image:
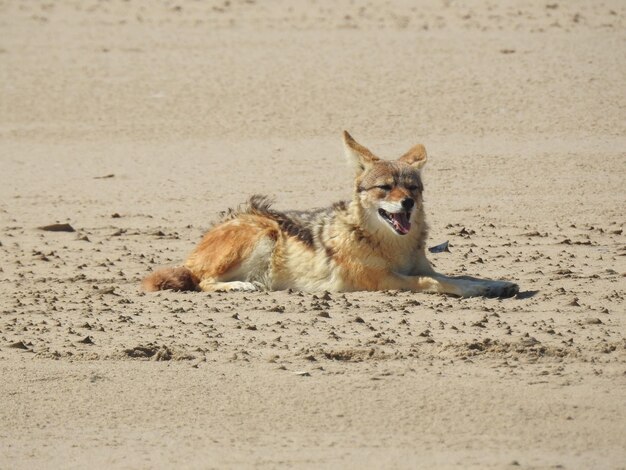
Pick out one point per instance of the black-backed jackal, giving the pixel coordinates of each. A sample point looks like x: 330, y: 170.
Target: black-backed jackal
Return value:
x: 376, y: 241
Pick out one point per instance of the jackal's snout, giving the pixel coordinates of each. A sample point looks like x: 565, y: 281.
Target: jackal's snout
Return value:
x: 407, y: 204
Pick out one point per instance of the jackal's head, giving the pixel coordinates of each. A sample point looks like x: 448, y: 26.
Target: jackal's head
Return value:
x: 390, y: 192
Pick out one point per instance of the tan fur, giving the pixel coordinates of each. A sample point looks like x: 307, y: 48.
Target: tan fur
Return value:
x: 374, y: 242
x: 415, y: 157
x: 235, y: 239
x: 171, y: 278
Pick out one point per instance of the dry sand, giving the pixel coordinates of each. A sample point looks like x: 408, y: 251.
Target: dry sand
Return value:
x: 190, y: 107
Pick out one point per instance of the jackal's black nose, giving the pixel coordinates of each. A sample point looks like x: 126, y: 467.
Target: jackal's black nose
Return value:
x: 407, y: 204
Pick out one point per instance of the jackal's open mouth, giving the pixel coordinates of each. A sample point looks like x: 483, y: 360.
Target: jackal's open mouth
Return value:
x: 399, y: 221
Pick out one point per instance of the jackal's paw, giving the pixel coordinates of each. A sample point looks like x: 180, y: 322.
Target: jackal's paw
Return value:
x: 502, y: 289
x: 240, y: 286
x: 233, y: 286
x: 490, y: 289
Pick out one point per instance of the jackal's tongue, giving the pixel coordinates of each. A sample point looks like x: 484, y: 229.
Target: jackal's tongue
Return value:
x: 401, y: 222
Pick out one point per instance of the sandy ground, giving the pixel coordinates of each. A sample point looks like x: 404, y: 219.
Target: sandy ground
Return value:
x: 136, y: 122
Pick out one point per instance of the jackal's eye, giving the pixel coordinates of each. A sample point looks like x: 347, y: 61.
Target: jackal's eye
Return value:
x: 384, y: 187
x: 412, y: 187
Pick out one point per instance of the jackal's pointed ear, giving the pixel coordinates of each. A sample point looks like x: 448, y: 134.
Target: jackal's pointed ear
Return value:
x: 359, y: 157
x: 416, y: 157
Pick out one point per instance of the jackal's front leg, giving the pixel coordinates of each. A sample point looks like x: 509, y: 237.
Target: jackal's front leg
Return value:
x: 461, y: 287
x: 473, y: 287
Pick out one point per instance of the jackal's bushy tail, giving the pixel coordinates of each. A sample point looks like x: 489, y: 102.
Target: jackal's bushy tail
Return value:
x: 179, y: 278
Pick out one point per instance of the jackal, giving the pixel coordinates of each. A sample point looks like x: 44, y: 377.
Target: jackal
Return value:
x: 375, y: 241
